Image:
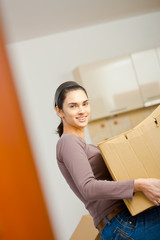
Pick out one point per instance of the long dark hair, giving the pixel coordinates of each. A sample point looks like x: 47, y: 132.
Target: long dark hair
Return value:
x: 60, y: 96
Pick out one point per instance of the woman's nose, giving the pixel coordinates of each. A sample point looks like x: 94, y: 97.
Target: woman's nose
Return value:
x: 81, y: 109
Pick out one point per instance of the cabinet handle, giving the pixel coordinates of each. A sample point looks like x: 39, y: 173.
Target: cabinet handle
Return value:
x: 118, y: 110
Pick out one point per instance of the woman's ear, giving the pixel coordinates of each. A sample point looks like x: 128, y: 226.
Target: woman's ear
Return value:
x: 59, y: 112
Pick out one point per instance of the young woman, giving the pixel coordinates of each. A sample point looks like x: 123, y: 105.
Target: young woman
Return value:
x: 85, y: 171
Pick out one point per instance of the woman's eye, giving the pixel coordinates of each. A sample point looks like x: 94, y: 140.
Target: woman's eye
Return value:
x: 86, y: 104
x: 73, y: 106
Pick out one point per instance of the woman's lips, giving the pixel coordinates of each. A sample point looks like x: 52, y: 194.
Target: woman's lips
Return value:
x: 82, y: 119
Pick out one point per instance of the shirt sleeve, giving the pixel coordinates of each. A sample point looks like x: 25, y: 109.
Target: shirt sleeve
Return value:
x: 77, y: 164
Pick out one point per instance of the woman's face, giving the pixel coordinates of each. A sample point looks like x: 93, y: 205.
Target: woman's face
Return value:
x: 76, y: 110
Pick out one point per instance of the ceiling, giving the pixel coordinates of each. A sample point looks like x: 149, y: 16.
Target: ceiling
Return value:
x: 26, y: 19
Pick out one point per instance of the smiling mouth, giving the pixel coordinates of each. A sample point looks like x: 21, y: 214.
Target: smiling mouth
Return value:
x: 82, y: 119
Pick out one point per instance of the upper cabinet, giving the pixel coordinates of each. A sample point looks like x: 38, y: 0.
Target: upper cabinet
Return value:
x: 111, y: 85
x: 147, y: 68
x: 121, y: 84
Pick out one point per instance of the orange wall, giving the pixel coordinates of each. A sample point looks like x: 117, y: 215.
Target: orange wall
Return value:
x: 23, y: 214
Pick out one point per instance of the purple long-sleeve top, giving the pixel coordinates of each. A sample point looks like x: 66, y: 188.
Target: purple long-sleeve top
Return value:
x: 86, y: 173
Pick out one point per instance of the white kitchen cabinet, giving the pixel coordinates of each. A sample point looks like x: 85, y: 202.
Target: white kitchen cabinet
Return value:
x: 147, y: 68
x: 111, y: 85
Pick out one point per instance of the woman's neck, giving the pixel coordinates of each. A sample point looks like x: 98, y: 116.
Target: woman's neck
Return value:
x: 78, y: 132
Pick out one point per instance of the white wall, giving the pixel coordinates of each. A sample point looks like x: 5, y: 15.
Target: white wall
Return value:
x: 39, y: 66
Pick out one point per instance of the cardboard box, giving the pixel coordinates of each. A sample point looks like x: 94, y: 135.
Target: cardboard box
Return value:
x: 135, y: 154
x: 86, y: 230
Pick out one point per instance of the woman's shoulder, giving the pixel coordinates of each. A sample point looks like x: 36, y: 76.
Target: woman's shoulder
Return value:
x: 69, y: 143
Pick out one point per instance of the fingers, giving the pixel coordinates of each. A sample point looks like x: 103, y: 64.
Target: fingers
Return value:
x: 151, y: 189
x: 156, y: 203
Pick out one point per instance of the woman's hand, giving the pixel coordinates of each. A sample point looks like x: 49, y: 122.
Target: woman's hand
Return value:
x: 150, y: 187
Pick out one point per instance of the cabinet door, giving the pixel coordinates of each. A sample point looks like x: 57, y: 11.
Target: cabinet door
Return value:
x: 112, y: 87
x: 147, y: 69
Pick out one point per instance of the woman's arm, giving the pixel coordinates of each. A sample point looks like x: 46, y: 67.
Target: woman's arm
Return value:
x: 76, y: 168
x: 150, y: 187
